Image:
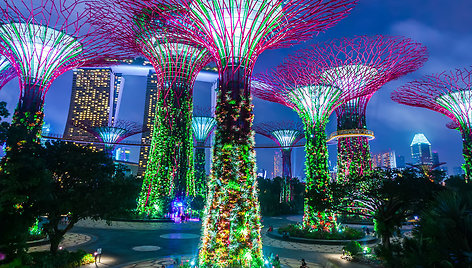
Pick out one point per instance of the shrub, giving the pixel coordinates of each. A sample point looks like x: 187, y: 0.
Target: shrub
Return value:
x: 345, y: 233
x: 352, y: 248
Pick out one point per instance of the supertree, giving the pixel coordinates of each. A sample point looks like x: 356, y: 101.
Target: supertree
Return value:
x: 202, y: 125
x: 302, y: 85
x: 139, y: 27
x: 43, y: 39
x: 353, y: 62
x: 285, y: 134
x: 111, y: 135
x: 7, y: 72
x: 236, y: 32
x: 449, y: 93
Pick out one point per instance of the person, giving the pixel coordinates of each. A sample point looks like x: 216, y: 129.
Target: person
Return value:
x: 285, y: 235
x: 163, y: 266
x: 303, y: 264
x: 98, y: 254
x: 270, y: 229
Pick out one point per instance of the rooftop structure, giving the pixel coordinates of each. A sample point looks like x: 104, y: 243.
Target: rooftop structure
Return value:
x: 361, y: 62
x: 285, y: 134
x: 236, y: 32
x: 299, y: 83
x: 448, y: 93
x: 111, y: 135
x: 42, y: 40
x: 140, y: 27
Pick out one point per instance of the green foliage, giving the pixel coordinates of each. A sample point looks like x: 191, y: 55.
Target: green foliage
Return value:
x: 353, y: 248
x: 269, y: 197
x: 3, y: 125
x: 443, y: 237
x: 346, y: 233
x: 22, y: 184
x: 317, y: 214
x: 170, y: 167
x: 389, y: 197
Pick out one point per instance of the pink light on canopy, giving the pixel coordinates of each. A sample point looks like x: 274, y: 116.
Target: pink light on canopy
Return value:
x: 7, y: 72
x: 42, y: 39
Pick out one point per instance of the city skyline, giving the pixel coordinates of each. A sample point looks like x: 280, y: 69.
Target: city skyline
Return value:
x: 443, y: 30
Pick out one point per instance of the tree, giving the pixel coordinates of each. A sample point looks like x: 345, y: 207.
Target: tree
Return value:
x: 22, y: 179
x: 83, y: 184
x: 3, y: 125
x: 389, y: 197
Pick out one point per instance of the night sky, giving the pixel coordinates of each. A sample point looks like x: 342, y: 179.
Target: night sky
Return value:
x: 442, y: 25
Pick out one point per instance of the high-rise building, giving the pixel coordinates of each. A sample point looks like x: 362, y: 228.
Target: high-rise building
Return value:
x: 435, y: 158
x: 401, y: 161
x: 277, y: 164
x: 95, y: 99
x: 384, y: 160
x: 421, y: 150
x: 148, y: 120
x: 122, y: 154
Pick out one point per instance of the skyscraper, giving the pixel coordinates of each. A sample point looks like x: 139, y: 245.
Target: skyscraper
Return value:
x: 149, y: 114
x: 421, y: 150
x: 96, y: 95
x: 401, y: 161
x: 385, y: 160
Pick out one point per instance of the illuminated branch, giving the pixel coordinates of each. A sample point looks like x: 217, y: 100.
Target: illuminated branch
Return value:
x: 43, y: 39
x: 453, y: 125
x: 303, y: 86
x: 449, y: 93
x: 7, y: 72
x: 362, y: 62
x: 235, y: 32
x: 111, y: 135
x: 285, y: 134
x: 139, y: 27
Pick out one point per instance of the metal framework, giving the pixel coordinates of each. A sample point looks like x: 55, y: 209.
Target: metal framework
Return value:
x: 301, y: 84
x: 449, y: 93
x: 7, y: 72
x: 363, y: 61
x: 110, y: 136
x: 235, y: 32
x: 285, y: 134
x: 42, y: 39
x: 202, y: 127
x: 140, y: 27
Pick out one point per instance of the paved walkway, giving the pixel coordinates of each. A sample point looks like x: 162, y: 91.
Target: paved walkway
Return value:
x: 290, y: 252
x: 70, y: 240
x: 138, y: 225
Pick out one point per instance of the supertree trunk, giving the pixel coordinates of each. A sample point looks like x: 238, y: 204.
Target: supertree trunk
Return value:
x: 200, y: 173
x: 286, y: 193
x: 467, y: 153
x: 169, y: 172
x: 28, y: 118
x: 231, y: 228
x: 353, y: 157
x: 316, y: 214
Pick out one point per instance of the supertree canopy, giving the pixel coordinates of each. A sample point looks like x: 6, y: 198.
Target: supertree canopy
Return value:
x: 42, y: 40
x: 285, y: 134
x: 236, y: 32
x: 449, y: 93
x: 7, y: 72
x: 111, y: 135
x: 139, y: 27
x: 202, y: 126
x: 302, y: 85
x: 354, y: 62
